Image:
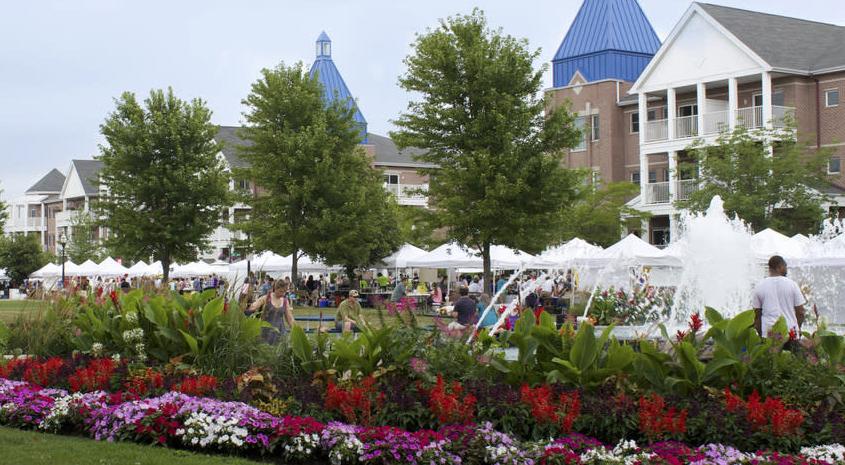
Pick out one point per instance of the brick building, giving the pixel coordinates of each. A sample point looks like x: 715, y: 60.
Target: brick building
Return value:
x: 719, y: 68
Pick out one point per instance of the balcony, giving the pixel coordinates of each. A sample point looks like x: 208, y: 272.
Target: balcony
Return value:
x: 685, y: 187
x: 409, y: 194
x: 657, y: 193
x: 64, y: 218
x: 716, y: 122
x: 24, y: 224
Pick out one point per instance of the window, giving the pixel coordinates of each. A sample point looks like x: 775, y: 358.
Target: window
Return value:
x: 635, y: 123
x: 651, y: 115
x: 33, y: 213
x: 243, y: 184
x: 594, y: 127
x: 391, y: 179
x: 834, y: 166
x: 687, y: 110
x: 777, y: 99
x: 635, y: 177
x: 652, y: 176
x: 831, y: 98
x: 579, y: 124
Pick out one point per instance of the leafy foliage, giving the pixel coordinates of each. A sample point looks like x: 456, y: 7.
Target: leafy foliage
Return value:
x: 482, y: 123
x: 318, y: 194
x: 783, y: 191
x: 20, y: 255
x: 601, y: 215
x: 83, y: 244
x: 164, y: 185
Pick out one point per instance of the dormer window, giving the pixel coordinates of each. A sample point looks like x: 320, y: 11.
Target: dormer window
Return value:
x: 327, y: 48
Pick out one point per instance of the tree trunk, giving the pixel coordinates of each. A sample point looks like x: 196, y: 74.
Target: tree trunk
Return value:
x: 488, y: 274
x: 294, y: 268
x: 165, y: 268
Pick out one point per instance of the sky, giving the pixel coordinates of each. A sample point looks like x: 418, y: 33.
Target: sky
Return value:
x: 62, y: 62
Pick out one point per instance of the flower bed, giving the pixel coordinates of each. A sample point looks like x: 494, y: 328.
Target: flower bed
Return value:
x: 180, y: 420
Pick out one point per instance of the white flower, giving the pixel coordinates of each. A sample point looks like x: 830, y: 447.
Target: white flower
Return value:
x: 97, y: 349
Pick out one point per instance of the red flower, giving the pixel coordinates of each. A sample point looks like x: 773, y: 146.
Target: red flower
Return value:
x: 199, y: 386
x: 96, y: 376
x: 561, y: 412
x: 113, y: 297
x: 356, y: 403
x: 770, y: 415
x: 680, y: 336
x: 45, y: 373
x: 656, y: 421
x: 695, y: 323
x: 447, y: 405
x: 793, y: 335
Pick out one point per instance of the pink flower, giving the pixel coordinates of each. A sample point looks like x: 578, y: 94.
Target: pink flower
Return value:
x: 418, y: 365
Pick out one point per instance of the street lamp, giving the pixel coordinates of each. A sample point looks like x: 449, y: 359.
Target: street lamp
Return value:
x: 63, y: 242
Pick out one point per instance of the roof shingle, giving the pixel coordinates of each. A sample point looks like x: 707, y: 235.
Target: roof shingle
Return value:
x: 51, y: 182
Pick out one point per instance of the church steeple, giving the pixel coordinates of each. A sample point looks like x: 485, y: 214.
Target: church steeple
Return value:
x: 609, y: 39
x: 333, y: 85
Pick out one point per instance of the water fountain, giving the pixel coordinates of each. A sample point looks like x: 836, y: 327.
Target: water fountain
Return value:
x: 719, y: 267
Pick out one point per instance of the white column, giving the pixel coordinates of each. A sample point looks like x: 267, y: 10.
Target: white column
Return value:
x: 732, y: 103
x: 643, y: 112
x: 701, y: 101
x: 43, y: 227
x: 673, y: 228
x: 766, y: 90
x: 671, y: 112
x: 673, y: 176
x: 644, y: 177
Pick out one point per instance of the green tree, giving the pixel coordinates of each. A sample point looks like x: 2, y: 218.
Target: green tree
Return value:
x: 84, y: 244
x: 20, y: 255
x: 165, y: 186
x: 601, y: 214
x: 783, y: 191
x: 318, y: 194
x: 419, y: 227
x: 4, y: 212
x: 500, y: 178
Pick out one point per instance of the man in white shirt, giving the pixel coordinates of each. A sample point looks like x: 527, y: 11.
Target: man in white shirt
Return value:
x: 777, y: 296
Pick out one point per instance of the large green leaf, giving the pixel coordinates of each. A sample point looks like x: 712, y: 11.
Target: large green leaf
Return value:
x: 299, y: 345
x: 191, y: 341
x: 585, y: 349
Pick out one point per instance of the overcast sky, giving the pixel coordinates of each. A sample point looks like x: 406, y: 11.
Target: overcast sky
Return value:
x: 62, y: 62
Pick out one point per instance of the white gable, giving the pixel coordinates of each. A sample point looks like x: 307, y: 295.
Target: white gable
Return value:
x: 699, y: 49
x: 73, y: 185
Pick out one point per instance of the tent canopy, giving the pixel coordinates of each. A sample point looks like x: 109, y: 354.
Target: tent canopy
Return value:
x: 573, y: 250
x: 50, y: 270
x: 399, y: 259
x: 769, y: 242
x: 138, y: 269
x: 110, y: 267
x: 453, y: 255
x: 87, y: 268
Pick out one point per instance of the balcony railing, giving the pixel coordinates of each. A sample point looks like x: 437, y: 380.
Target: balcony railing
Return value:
x: 716, y: 122
x: 409, y: 194
x: 656, y: 193
x: 780, y: 116
x: 686, y: 126
x: 750, y: 117
x: 685, y: 187
x: 657, y: 130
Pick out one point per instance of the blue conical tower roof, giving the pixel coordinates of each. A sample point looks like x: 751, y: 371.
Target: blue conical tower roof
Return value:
x: 333, y: 85
x: 609, y: 39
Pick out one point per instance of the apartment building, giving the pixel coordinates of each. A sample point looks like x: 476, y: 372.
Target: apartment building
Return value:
x: 28, y: 213
x: 642, y: 103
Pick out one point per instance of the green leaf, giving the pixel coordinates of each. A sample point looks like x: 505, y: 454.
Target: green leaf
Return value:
x: 712, y: 315
x: 191, y: 341
x: 584, y: 350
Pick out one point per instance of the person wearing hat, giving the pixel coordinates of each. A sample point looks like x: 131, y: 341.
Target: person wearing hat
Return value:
x: 349, y: 314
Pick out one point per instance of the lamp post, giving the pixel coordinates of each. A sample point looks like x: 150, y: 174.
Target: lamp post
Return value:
x: 63, y: 242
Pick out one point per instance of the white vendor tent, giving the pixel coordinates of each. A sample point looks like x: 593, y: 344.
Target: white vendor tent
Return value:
x: 562, y: 255
x: 191, y: 270
x: 138, y: 269
x: 505, y: 258
x: 399, y: 259
x: 630, y: 249
x: 110, y: 267
x: 449, y: 255
x: 50, y: 270
x: 87, y: 268
x: 769, y: 242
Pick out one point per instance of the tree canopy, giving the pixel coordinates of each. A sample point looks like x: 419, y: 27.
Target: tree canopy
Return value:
x: 83, y: 244
x: 316, y: 192
x: 500, y: 178
x: 600, y: 215
x: 164, y: 184
x: 20, y: 255
x: 783, y: 191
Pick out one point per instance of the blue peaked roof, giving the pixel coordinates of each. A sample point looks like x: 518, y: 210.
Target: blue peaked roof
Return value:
x: 333, y: 85
x: 609, y: 39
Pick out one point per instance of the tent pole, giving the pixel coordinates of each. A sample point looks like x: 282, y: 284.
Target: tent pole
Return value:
x: 492, y: 303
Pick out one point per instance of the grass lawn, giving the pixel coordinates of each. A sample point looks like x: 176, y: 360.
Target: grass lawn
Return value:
x: 9, y: 309
x: 29, y: 448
